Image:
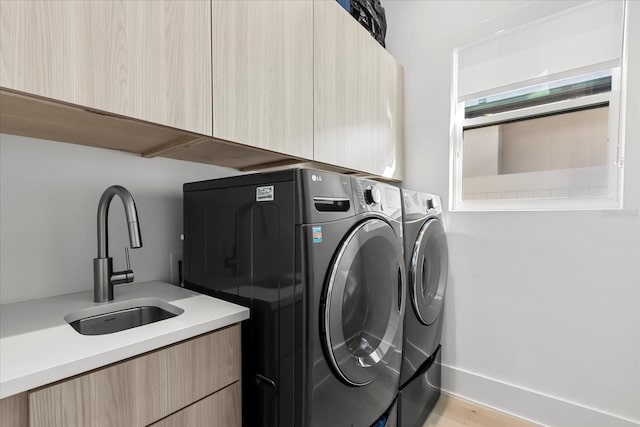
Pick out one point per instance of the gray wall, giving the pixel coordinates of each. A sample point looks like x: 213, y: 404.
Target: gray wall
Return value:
x: 49, y: 194
x: 542, y: 315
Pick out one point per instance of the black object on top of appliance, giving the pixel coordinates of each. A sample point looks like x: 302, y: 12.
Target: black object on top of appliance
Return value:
x: 370, y: 14
x: 321, y: 267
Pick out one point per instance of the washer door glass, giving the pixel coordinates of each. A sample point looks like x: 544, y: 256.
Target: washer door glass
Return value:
x: 364, y: 302
x: 429, y: 270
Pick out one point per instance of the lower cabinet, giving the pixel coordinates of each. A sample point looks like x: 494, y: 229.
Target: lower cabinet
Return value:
x: 14, y: 411
x: 221, y: 409
x: 182, y: 385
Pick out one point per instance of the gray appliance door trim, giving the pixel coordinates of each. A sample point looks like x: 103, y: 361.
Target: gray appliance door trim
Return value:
x: 382, y: 284
x: 429, y: 270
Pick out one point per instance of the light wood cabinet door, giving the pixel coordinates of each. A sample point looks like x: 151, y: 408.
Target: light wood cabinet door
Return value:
x: 150, y: 60
x: 222, y: 409
x: 142, y: 390
x: 263, y: 74
x: 14, y: 411
x: 358, y: 96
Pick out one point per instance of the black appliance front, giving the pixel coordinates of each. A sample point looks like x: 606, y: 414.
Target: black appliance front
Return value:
x: 239, y: 246
x: 324, y: 284
x: 427, y: 265
x: 361, y: 312
x: 417, y: 398
x: 355, y: 359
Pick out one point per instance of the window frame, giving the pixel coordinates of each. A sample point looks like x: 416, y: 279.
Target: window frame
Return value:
x: 616, y: 102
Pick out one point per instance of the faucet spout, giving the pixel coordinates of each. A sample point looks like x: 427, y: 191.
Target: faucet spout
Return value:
x: 135, y: 238
x: 103, y: 275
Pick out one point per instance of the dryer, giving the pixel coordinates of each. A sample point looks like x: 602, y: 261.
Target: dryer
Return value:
x: 426, y: 256
x: 318, y: 259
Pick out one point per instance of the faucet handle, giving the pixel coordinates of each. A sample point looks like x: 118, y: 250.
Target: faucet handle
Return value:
x: 126, y: 276
x: 126, y: 257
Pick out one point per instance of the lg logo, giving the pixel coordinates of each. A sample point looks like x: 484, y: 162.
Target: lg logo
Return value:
x: 317, y: 178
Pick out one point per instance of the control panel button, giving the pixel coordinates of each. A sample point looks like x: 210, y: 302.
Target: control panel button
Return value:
x: 372, y: 195
x: 430, y: 204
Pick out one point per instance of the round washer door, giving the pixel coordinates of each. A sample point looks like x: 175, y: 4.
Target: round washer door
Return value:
x: 364, y: 303
x: 429, y: 270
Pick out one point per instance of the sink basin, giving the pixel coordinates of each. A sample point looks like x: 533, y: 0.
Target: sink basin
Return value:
x: 119, y: 316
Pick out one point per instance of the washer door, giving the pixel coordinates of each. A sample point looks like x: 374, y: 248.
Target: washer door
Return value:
x: 428, y: 272
x: 364, y: 303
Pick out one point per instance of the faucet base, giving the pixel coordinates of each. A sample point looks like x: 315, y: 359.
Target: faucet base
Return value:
x: 102, y: 272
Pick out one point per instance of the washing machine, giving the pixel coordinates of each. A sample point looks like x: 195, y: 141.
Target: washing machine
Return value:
x: 426, y: 256
x: 317, y: 257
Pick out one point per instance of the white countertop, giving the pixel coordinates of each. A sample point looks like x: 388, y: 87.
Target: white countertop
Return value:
x: 37, y: 346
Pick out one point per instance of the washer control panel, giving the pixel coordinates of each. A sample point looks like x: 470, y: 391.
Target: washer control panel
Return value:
x: 372, y: 196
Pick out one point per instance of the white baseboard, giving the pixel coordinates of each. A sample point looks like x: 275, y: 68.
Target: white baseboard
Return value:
x: 527, y: 404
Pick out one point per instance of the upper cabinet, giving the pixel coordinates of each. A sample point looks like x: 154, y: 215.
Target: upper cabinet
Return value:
x: 149, y: 60
x: 246, y: 84
x: 263, y: 74
x: 358, y: 96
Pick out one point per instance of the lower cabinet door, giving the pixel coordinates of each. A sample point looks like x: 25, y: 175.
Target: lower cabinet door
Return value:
x: 221, y: 409
x: 140, y: 391
x: 14, y: 411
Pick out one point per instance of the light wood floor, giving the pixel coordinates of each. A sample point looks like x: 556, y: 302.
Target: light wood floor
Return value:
x: 453, y: 412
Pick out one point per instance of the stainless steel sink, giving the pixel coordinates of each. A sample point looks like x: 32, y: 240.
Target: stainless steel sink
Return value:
x: 120, y: 316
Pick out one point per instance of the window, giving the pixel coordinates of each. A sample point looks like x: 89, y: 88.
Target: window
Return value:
x: 537, y: 115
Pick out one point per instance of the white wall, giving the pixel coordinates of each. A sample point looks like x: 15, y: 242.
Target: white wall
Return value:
x: 542, y: 315
x: 49, y: 194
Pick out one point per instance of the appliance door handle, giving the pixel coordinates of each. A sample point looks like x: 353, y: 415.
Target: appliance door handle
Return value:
x: 331, y: 204
x: 266, y: 383
x: 400, y: 289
